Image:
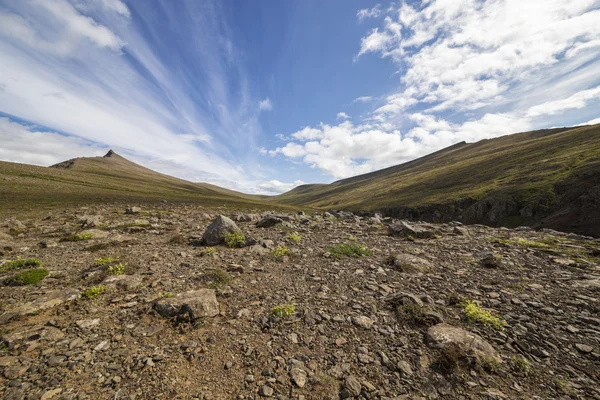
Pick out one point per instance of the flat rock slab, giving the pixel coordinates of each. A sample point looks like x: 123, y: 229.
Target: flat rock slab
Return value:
x: 44, y: 302
x: 195, y: 303
x: 441, y: 335
x: 33, y: 334
x: 123, y: 282
x: 587, y: 284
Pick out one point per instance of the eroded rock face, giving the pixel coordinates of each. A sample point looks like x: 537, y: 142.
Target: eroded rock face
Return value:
x: 216, y: 231
x: 195, y: 303
x: 443, y: 334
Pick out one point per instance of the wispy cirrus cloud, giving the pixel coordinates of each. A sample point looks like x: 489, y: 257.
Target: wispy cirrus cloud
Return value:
x: 92, y: 71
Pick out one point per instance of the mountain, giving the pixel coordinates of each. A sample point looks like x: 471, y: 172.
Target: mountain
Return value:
x: 109, y: 178
x: 548, y: 178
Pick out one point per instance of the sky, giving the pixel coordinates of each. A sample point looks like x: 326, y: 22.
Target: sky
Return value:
x: 262, y: 96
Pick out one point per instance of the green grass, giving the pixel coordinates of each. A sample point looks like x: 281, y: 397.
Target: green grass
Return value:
x: 102, y: 261
x: 94, y: 180
x: 20, y: 263
x: 29, y: 277
x: 520, y: 366
x: 522, y: 242
x: 218, y: 278
x: 349, y: 249
x: 93, y: 292
x: 209, y: 251
x: 79, y: 237
x: 280, y: 252
x: 283, y: 310
x: 475, y: 314
x: 294, y: 237
x: 235, y: 239
x: 117, y: 269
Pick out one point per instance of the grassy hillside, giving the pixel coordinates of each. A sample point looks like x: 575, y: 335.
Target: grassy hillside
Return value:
x: 525, y: 164
x: 103, y: 179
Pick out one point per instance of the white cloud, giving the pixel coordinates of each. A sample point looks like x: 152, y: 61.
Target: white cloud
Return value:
x: 576, y: 101
x: 592, y: 122
x: 342, y: 115
x: 117, y: 6
x: 363, y: 99
x: 265, y: 104
x: 30, y: 145
x: 307, y: 133
x: 447, y: 63
x: 276, y: 187
x: 92, y: 74
x: 345, y: 150
x: 369, y: 13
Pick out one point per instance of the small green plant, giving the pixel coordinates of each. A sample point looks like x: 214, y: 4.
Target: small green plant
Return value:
x: 235, y: 239
x: 349, y: 249
x: 117, y: 269
x: 520, y: 366
x: 78, y: 237
x: 209, y: 251
x: 102, y: 261
x: 28, y: 277
x: 283, y: 310
x: 280, y: 252
x: 294, y: 237
x: 20, y: 263
x: 352, y: 238
x: 218, y: 278
x: 166, y: 295
x: 475, y: 313
x: 520, y: 242
x: 93, y: 292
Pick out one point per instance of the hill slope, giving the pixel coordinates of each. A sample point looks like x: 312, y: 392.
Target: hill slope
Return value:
x: 90, y: 180
x: 549, y: 177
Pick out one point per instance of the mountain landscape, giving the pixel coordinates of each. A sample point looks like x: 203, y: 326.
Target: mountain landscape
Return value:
x: 120, y: 282
x: 299, y: 200
x: 548, y: 178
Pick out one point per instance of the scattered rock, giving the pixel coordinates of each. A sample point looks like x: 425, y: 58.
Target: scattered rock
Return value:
x: 404, y: 229
x: 216, y: 231
x: 441, y: 335
x: 298, y: 376
x: 269, y: 221
x: 195, y: 303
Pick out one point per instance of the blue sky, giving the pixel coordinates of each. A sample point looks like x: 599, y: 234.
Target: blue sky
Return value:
x: 260, y: 96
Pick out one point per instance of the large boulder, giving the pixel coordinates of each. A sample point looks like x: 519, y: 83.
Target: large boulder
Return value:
x: 195, y: 303
x: 404, y: 229
x: 216, y: 231
x: 442, y: 335
x: 268, y: 221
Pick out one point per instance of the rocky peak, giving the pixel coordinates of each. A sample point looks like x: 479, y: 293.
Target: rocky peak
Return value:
x: 109, y: 154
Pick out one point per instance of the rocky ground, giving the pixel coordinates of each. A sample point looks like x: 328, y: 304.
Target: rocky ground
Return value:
x: 422, y: 312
